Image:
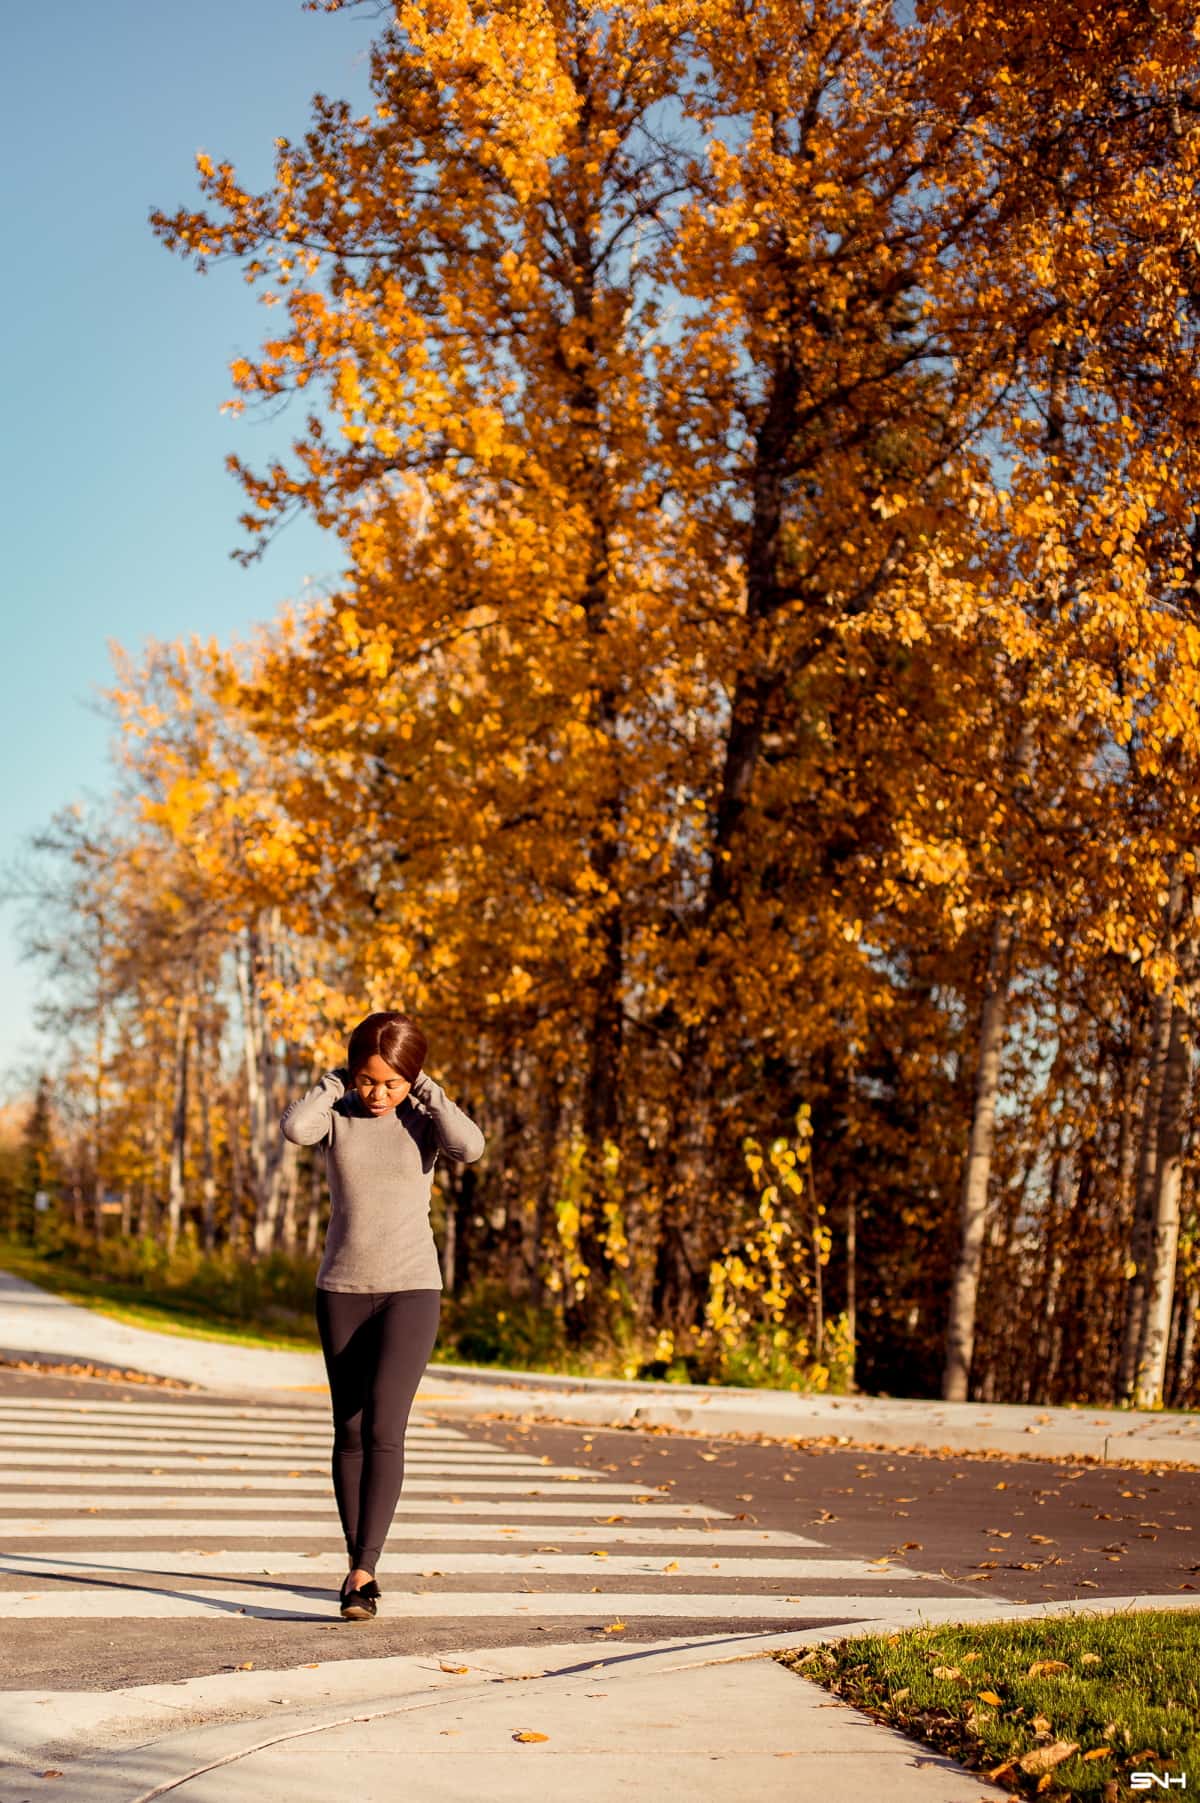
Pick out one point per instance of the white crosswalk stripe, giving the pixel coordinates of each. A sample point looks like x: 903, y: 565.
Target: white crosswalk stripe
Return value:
x: 197, y: 1510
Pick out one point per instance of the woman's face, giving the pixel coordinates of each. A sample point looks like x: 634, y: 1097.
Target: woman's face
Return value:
x: 379, y: 1087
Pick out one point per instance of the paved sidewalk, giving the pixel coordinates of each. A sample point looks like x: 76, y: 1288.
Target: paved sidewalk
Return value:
x: 36, y: 1324
x: 715, y: 1720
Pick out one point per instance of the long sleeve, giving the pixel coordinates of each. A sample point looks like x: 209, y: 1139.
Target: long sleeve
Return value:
x: 457, y: 1134
x: 306, y: 1121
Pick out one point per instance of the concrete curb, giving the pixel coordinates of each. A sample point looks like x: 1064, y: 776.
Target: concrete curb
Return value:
x: 140, y: 1763
x: 899, y: 1424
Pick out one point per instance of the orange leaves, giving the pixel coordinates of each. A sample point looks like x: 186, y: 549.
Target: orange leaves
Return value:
x: 719, y: 508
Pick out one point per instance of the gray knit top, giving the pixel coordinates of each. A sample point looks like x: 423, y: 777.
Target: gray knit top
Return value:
x: 380, y: 1170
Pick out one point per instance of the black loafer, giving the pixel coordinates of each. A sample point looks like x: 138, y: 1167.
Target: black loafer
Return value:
x: 359, y: 1605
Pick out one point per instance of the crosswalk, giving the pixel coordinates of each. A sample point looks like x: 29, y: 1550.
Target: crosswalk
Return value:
x: 184, y: 1509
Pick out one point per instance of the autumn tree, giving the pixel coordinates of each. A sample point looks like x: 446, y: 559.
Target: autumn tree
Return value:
x: 761, y: 688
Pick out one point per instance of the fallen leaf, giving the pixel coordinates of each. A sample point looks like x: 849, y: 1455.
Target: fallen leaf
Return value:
x: 1047, y: 1668
x: 452, y: 1668
x: 1096, y: 1753
x: 1040, y: 1725
x: 52, y: 1772
x: 1044, y: 1759
x: 615, y: 1627
x: 246, y: 1666
x: 708, y: 1457
x: 530, y: 1734
x: 1089, y: 1659
x: 989, y: 1696
x: 946, y: 1671
x: 673, y: 1565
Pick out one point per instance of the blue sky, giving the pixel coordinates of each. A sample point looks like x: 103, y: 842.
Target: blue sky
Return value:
x: 119, y: 515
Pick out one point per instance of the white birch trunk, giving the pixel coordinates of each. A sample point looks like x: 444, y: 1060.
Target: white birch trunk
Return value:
x: 1160, y: 1277
x: 1144, y: 1199
x: 964, y: 1292
x: 175, y: 1164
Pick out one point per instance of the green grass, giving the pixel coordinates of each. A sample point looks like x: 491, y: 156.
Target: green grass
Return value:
x: 1127, y: 1697
x: 268, y: 1303
x: 132, y: 1304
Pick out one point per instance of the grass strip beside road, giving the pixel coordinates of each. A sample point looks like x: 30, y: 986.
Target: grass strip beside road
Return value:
x: 1058, y: 1707
x: 132, y: 1305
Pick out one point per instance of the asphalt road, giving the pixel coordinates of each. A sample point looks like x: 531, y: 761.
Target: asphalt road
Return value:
x: 122, y: 1565
x: 1029, y: 1530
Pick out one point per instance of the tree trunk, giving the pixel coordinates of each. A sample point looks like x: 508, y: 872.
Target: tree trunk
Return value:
x: 236, y: 1183
x: 1186, y: 1355
x: 151, y: 1145
x: 316, y: 1195
x: 676, y: 1292
x: 175, y: 1167
x: 818, y: 1275
x: 551, y: 1114
x: 272, y: 1158
x: 1141, y: 1237
x: 1160, y: 1277
x: 586, y: 1315
x: 208, y: 1169
x: 247, y: 979
x: 964, y: 1292
x: 98, y: 1110
x: 851, y: 1290
x: 281, y: 1183
x: 450, y: 1243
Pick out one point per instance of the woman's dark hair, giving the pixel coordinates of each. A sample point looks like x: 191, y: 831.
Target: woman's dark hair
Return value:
x: 397, y: 1040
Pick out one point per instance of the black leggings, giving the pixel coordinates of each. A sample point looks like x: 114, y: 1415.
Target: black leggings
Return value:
x: 376, y: 1347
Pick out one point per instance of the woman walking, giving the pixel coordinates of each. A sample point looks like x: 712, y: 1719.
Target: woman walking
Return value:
x: 382, y: 1121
